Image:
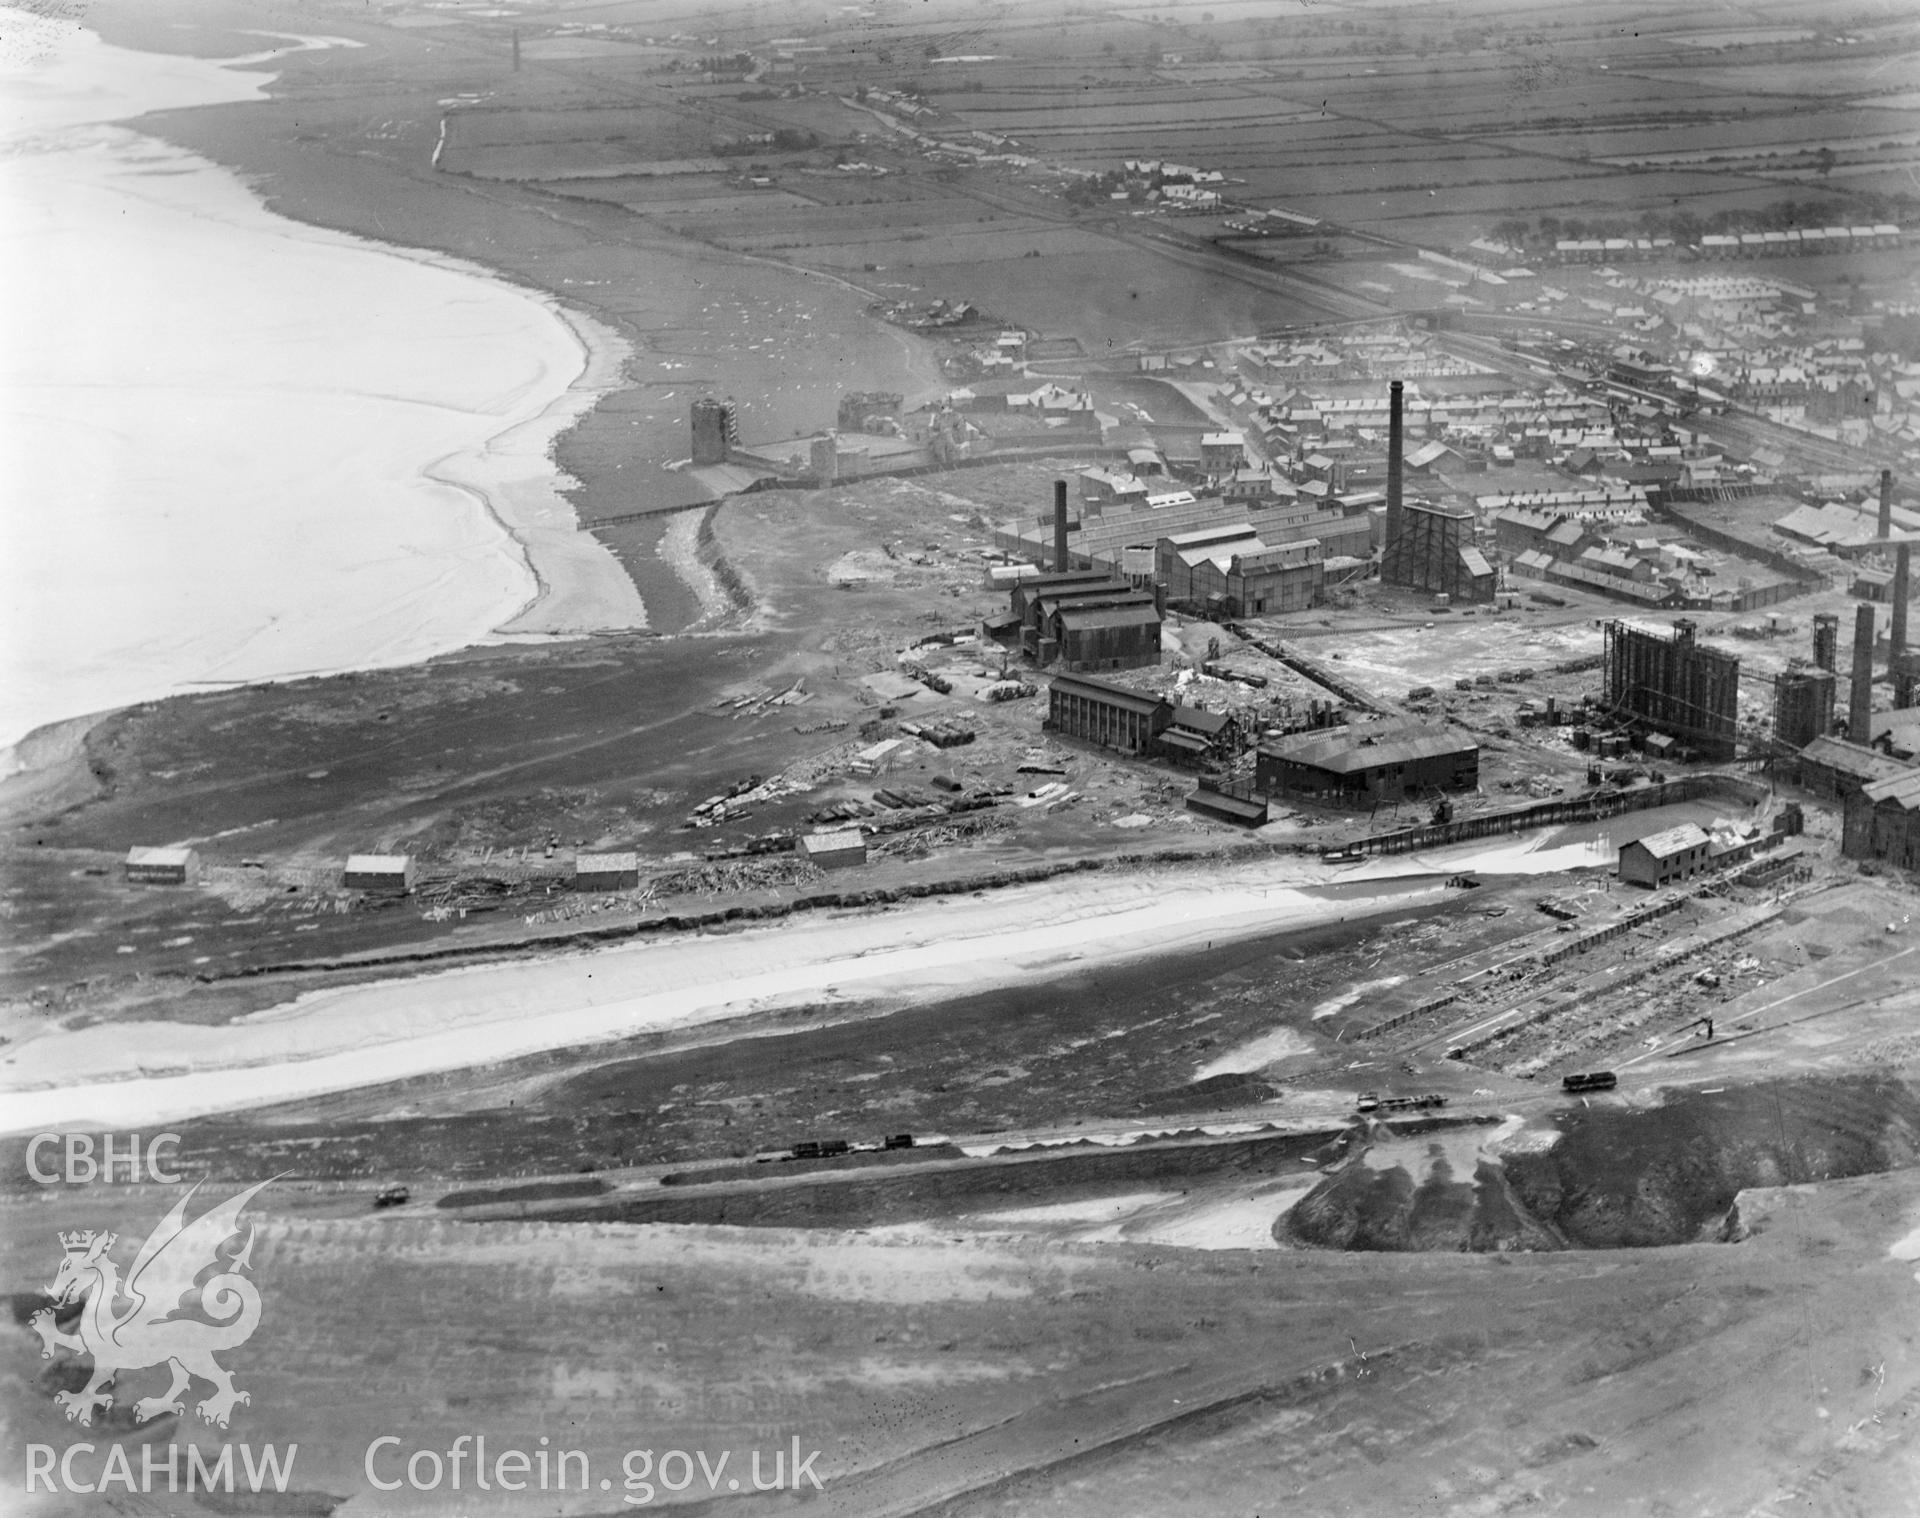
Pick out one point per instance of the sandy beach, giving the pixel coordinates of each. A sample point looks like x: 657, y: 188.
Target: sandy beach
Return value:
x: 249, y: 448
x: 129, y: 1073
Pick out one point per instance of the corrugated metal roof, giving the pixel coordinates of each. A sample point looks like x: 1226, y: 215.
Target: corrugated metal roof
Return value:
x: 377, y: 864
x: 1851, y: 759
x: 1199, y: 721
x: 1903, y: 790
x: 160, y: 857
x: 1094, y: 618
x: 605, y: 864
x: 1676, y: 840
x: 1096, y: 599
x: 1223, y: 534
x: 1351, y: 750
x: 1089, y: 688
x: 1475, y: 562
x: 1234, y: 806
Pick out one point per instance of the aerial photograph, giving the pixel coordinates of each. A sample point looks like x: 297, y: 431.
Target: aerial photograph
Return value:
x: 968, y: 758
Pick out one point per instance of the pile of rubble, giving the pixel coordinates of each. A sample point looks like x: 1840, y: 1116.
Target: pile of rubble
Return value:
x: 942, y: 734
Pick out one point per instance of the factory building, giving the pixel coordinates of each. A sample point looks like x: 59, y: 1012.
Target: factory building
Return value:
x: 387, y: 874
x: 870, y: 411
x: 1231, y: 572
x: 1673, y: 686
x: 1123, y: 634
x: 1364, y: 765
x: 1883, y: 822
x: 1086, y: 619
x: 1802, y: 706
x: 1195, y: 735
x: 1428, y: 547
x: 1679, y: 853
x: 149, y: 866
x: 1432, y: 551
x: 716, y: 432
x: 1098, y: 711
x: 1839, y: 770
x: 606, y: 872
x: 1100, y: 532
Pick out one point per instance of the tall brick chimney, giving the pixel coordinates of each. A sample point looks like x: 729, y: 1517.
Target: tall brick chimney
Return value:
x: 1060, y: 564
x: 1394, y: 450
x: 1902, y: 588
x: 1860, y: 689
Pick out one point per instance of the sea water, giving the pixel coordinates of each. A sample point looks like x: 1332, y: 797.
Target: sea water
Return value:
x: 229, y: 441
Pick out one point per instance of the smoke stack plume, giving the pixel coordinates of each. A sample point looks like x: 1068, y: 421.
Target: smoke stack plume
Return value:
x: 1060, y: 564
x: 1860, y: 691
x: 1394, y: 423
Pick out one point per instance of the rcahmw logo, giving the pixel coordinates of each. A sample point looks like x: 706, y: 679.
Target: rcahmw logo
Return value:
x: 172, y: 1318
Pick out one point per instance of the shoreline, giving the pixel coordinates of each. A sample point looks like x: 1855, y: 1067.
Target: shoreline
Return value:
x: 352, y: 1037
x: 511, y: 474
x: 516, y: 479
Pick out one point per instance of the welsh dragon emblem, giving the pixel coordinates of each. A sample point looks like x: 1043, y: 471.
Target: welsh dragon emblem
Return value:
x: 161, y: 1289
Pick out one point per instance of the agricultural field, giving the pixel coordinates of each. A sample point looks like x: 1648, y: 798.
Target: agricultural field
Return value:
x: 1393, y: 123
x: 1122, y: 298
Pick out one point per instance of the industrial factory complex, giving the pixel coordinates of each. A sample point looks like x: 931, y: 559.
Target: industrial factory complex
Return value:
x: 849, y: 755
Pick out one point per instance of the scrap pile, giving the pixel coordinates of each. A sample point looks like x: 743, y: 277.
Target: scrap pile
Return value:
x: 907, y: 845
x: 753, y: 703
x: 807, y: 773
x: 456, y: 895
x: 723, y: 877
x: 743, y: 797
x: 938, y: 684
x: 942, y: 734
x: 898, y: 810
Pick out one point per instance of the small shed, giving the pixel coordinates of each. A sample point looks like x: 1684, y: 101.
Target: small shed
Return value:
x: 1248, y: 811
x: 390, y: 874
x: 1195, y: 735
x: 876, y: 758
x: 606, y: 872
x: 165, y: 866
x: 833, y: 851
x: 1678, y: 853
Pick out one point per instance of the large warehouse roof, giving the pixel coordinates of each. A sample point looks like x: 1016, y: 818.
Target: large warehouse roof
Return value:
x: 1347, y: 751
x: 1106, y: 692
